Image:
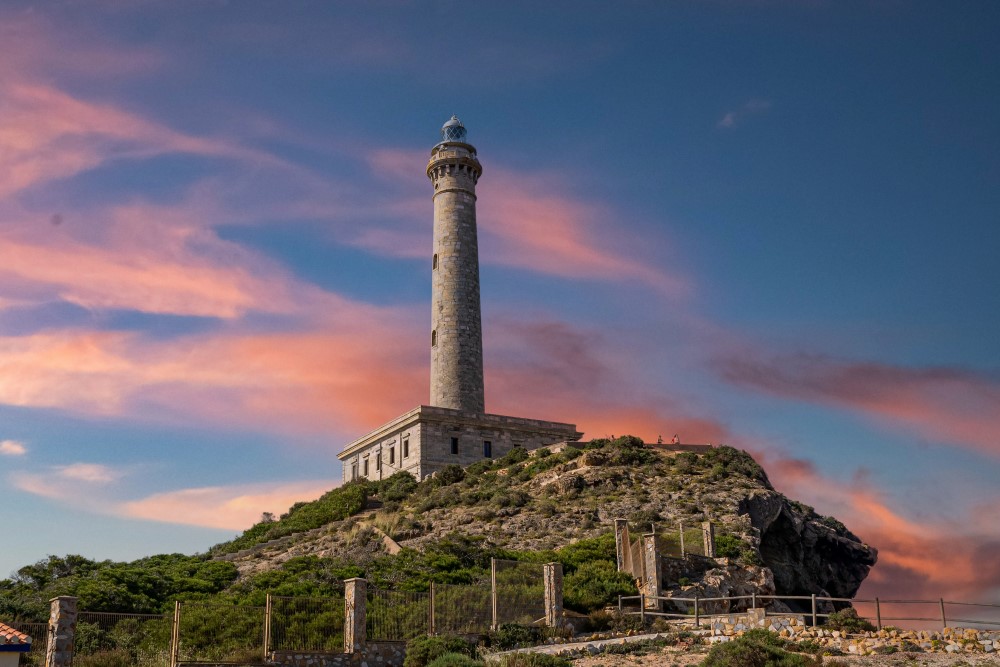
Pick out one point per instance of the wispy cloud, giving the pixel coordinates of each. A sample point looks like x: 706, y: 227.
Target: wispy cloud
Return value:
x: 227, y: 507
x: 924, y: 558
x: 939, y: 404
x: 526, y: 221
x: 734, y: 117
x: 12, y: 448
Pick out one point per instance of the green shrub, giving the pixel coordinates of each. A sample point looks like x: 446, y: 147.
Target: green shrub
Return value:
x: 454, y: 660
x: 396, y: 488
x: 756, y: 648
x: 532, y: 660
x: 514, y: 456
x: 728, y: 546
x: 511, y: 635
x: 595, y: 584
x: 847, y: 620
x: 422, y: 651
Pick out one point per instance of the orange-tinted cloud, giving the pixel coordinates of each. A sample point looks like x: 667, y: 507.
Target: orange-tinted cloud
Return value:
x: 527, y: 221
x: 145, y: 258
x: 918, y: 559
x: 940, y: 404
x: 550, y: 370
x: 227, y: 507
x: 346, y: 376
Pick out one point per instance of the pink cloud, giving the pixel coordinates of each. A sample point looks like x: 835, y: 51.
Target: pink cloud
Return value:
x: 927, y: 558
x: 352, y: 368
x: 225, y: 507
x: 12, y: 448
x: 551, y: 370
x: 941, y: 404
x: 527, y: 221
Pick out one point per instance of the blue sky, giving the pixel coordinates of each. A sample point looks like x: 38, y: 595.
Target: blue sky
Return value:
x: 766, y: 223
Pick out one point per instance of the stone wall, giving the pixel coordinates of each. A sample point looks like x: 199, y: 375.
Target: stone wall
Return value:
x: 428, y: 432
x: 374, y: 654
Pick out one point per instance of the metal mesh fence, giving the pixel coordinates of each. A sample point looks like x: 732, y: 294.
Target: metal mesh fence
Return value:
x: 462, y: 610
x: 39, y: 636
x: 104, y: 638
x: 211, y: 633
x: 680, y: 541
x: 307, y: 624
x: 520, y: 590
x: 397, y: 615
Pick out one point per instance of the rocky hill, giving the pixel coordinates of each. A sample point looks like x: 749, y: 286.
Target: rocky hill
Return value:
x: 546, y: 500
x: 542, y: 506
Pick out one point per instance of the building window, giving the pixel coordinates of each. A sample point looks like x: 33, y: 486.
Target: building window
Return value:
x: 434, y: 338
x: 487, y: 449
x: 392, y: 455
x: 378, y: 462
x: 354, y: 471
x: 364, y: 467
x: 435, y: 261
x: 454, y: 445
x: 406, y: 448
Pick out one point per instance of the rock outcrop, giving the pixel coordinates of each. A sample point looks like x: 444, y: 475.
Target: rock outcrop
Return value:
x: 808, y: 554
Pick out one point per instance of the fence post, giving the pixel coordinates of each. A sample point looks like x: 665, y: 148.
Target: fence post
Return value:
x: 878, y: 615
x: 680, y: 529
x: 814, y: 609
x: 430, y: 611
x: 708, y: 535
x: 697, y: 614
x: 62, y: 632
x: 175, y: 635
x: 355, y: 610
x: 553, y: 576
x: 651, y: 558
x: 267, y: 625
x: 622, y: 551
x: 753, y: 599
x: 944, y: 621
x: 493, y: 595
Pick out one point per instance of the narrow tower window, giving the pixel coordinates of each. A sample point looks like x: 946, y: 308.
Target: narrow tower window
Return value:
x: 434, y: 338
x: 365, y: 467
x: 435, y: 263
x: 406, y: 448
x: 392, y: 455
x: 487, y: 449
x: 454, y: 445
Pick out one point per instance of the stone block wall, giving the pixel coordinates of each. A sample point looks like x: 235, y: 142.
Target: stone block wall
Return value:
x: 428, y: 432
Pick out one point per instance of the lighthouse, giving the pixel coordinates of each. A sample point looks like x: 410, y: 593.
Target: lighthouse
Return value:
x: 454, y: 429
x: 456, y: 320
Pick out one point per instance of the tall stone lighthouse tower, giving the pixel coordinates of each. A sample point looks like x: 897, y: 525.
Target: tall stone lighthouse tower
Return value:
x: 456, y: 327
x: 455, y: 428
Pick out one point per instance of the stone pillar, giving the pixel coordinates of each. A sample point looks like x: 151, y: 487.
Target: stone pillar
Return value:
x: 651, y: 582
x: 708, y: 534
x: 553, y: 575
x: 622, y: 550
x: 456, y: 338
x: 355, y: 608
x: 62, y: 632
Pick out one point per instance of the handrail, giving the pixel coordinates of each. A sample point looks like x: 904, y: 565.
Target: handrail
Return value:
x: 814, y: 614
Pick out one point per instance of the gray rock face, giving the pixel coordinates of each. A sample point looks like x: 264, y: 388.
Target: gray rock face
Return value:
x: 806, y: 553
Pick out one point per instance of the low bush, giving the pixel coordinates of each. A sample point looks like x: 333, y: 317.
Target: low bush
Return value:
x: 511, y: 635
x: 532, y: 660
x: 847, y: 620
x: 454, y: 660
x: 422, y: 651
x: 757, y: 648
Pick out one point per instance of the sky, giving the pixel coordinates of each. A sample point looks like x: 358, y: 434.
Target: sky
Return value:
x: 766, y: 223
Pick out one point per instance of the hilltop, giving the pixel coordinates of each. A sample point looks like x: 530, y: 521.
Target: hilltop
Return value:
x: 537, y: 506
